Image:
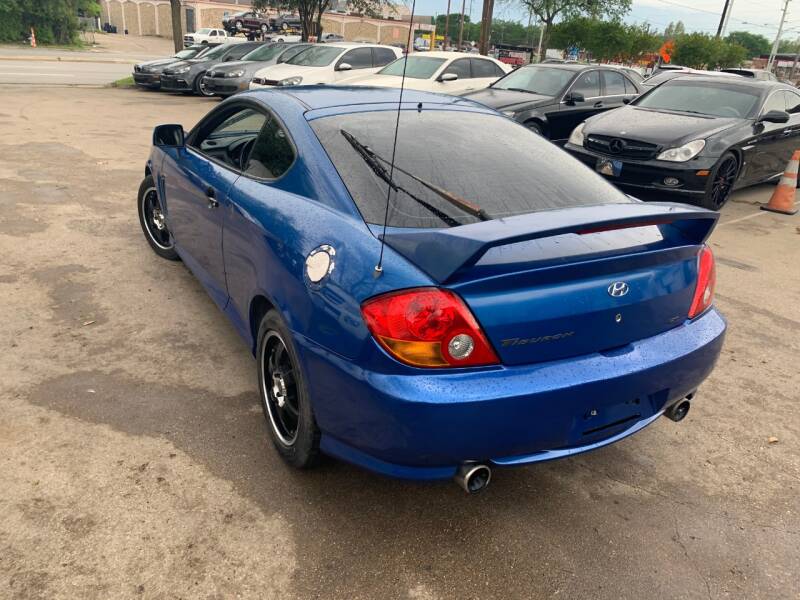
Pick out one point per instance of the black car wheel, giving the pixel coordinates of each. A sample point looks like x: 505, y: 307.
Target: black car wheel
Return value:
x: 720, y: 184
x: 239, y: 25
x: 264, y: 28
x: 284, y: 398
x: 200, y: 88
x: 534, y: 127
x: 153, y: 222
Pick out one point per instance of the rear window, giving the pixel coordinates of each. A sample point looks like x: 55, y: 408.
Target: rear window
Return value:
x: 511, y: 172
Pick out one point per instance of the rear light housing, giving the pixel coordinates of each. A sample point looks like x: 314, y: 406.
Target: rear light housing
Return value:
x: 428, y: 327
x: 706, y: 281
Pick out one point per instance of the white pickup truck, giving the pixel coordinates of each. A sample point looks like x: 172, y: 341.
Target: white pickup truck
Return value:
x: 209, y: 35
x: 280, y: 36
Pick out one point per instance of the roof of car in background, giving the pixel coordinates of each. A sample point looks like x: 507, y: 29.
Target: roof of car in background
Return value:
x: 570, y: 66
x: 733, y: 80
x: 353, y: 45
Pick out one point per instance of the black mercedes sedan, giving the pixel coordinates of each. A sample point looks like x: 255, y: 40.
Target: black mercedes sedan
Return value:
x: 187, y: 75
x: 551, y: 99
x: 695, y: 138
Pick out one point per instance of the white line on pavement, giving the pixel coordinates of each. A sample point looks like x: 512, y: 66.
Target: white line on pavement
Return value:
x: 744, y: 218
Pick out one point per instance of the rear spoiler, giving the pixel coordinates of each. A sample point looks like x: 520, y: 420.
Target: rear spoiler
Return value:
x: 443, y: 252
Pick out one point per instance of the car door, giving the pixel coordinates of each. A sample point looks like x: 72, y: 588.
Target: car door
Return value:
x: 484, y: 73
x: 360, y: 61
x: 614, y: 93
x: 571, y: 112
x: 196, y: 185
x: 791, y: 132
x: 462, y: 69
x: 764, y: 153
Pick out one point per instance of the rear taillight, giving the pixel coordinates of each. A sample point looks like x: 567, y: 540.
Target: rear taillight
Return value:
x: 428, y: 327
x: 706, y: 280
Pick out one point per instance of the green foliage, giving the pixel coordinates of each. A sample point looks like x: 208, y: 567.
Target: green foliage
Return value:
x: 606, y: 40
x: 753, y: 43
x: 55, y: 21
x: 787, y: 46
x: 704, y: 51
x: 674, y: 30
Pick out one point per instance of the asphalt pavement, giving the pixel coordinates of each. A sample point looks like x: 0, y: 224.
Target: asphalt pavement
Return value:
x: 55, y: 72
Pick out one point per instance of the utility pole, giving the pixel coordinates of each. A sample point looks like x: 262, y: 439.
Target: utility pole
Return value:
x: 447, y: 26
x: 727, y: 17
x: 177, y: 28
x: 486, y: 26
x: 461, y: 25
x: 777, y: 37
x: 541, y: 36
x: 723, y: 17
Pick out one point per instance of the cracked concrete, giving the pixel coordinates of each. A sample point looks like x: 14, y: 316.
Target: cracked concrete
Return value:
x: 134, y: 459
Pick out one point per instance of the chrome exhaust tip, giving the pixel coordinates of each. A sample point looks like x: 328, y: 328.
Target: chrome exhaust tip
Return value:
x: 678, y: 411
x: 473, y: 477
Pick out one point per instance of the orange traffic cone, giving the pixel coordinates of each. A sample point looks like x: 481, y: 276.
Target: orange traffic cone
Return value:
x: 33, y: 38
x: 782, y: 200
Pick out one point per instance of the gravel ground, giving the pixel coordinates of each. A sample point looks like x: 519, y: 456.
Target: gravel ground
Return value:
x: 134, y: 460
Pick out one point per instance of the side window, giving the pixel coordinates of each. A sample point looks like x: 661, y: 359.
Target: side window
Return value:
x: 382, y: 56
x: 792, y: 103
x: 587, y: 84
x: 238, y: 51
x: 359, y: 58
x: 213, y: 33
x: 460, y: 67
x: 229, y: 140
x: 272, y: 153
x: 776, y: 101
x: 615, y: 83
x: 630, y: 87
x: 484, y: 68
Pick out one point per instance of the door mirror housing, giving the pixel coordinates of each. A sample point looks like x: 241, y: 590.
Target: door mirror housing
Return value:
x: 169, y: 136
x: 572, y: 97
x: 448, y: 77
x: 344, y: 67
x: 626, y: 100
x: 774, y: 116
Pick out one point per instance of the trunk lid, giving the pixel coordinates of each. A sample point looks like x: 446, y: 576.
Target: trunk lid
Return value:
x: 563, y: 283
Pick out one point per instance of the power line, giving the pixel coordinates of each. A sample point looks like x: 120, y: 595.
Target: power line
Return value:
x: 716, y: 14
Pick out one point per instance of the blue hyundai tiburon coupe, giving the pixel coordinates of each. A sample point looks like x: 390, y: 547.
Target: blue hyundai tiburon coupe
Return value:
x: 469, y: 297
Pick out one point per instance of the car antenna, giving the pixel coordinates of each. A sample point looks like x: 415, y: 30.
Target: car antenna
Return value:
x: 379, y: 267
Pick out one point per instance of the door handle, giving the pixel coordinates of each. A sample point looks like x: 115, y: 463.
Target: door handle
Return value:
x: 787, y: 132
x: 598, y: 104
x: 211, y: 196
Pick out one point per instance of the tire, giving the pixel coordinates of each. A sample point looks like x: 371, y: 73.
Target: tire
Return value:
x: 157, y: 236
x: 535, y: 128
x: 199, y: 89
x: 720, y: 182
x: 239, y: 25
x: 264, y: 28
x: 284, y: 399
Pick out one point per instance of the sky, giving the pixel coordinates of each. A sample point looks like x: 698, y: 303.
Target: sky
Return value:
x: 757, y: 16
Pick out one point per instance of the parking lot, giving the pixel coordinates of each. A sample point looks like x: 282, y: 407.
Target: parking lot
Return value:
x: 135, y: 461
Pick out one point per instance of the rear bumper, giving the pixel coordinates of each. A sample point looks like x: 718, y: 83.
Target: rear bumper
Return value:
x: 423, y: 425
x: 650, y: 174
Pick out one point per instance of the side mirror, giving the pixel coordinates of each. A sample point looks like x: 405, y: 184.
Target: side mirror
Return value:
x: 572, y: 97
x: 168, y: 136
x: 626, y: 100
x: 344, y: 67
x: 774, y: 116
x: 448, y: 77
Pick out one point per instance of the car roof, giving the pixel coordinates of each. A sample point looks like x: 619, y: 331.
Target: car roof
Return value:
x: 446, y: 54
x: 567, y: 65
x: 354, y: 45
x: 737, y: 80
x: 313, y: 97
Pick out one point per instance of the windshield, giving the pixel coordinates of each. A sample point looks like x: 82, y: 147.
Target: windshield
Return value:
x: 203, y: 31
x: 316, y: 56
x: 419, y: 67
x: 264, y: 53
x: 215, y: 52
x: 188, y: 53
x: 443, y: 178
x: 547, y: 81
x: 293, y: 51
x: 702, y: 97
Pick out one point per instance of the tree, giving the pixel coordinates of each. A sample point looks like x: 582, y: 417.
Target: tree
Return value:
x: 606, y: 40
x: 753, y: 43
x: 674, y: 30
x: 549, y: 10
x: 311, y: 11
x: 55, y: 21
x: 703, y: 51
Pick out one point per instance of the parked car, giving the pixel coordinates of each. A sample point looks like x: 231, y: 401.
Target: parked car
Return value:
x: 444, y: 72
x: 551, y: 99
x: 695, y: 138
x: 187, y: 76
x: 207, y: 35
x: 660, y: 78
x: 327, y: 38
x: 758, y: 74
x: 228, y: 78
x: 283, y: 37
x: 148, y: 74
x: 326, y: 63
x: 248, y: 20
x: 521, y: 313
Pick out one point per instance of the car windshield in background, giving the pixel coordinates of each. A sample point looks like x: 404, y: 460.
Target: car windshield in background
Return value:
x: 188, y: 53
x: 419, y: 67
x: 215, y: 52
x: 266, y: 52
x: 316, y: 56
x: 203, y: 31
x: 547, y: 81
x: 441, y: 174
x: 702, y: 97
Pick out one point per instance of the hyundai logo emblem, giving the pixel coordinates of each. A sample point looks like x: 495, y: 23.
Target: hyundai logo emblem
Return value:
x: 618, y: 289
x: 616, y: 146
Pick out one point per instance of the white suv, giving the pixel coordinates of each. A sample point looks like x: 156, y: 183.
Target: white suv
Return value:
x: 326, y: 64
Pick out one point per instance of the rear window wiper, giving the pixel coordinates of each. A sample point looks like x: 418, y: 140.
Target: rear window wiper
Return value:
x: 371, y: 157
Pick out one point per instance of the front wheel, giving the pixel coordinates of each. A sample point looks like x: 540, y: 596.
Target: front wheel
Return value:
x: 534, y: 127
x: 264, y: 28
x: 200, y: 88
x: 284, y: 397
x: 720, y: 183
x: 153, y: 221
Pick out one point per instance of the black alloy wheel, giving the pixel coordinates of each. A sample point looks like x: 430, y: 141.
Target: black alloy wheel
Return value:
x: 721, y: 182
x: 153, y: 220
